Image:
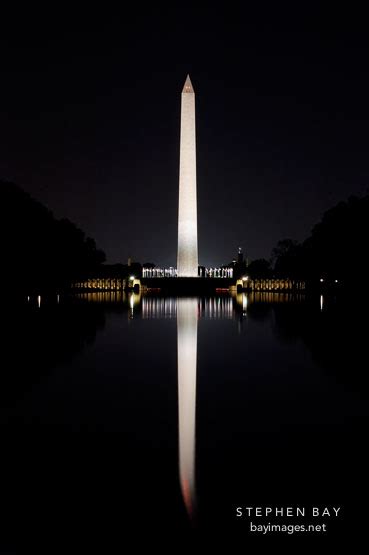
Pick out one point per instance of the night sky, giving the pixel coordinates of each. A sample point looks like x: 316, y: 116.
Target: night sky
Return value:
x: 90, y: 113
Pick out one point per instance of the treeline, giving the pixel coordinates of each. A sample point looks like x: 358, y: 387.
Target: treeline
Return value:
x: 40, y: 252
x: 336, y: 250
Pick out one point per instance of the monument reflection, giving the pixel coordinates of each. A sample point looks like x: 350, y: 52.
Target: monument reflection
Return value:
x: 187, y: 317
x: 188, y: 311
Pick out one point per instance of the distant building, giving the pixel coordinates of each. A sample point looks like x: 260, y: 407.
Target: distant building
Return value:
x: 239, y: 264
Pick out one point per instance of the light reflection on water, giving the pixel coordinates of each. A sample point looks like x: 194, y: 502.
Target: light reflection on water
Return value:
x: 187, y: 314
x: 205, y: 389
x: 226, y: 306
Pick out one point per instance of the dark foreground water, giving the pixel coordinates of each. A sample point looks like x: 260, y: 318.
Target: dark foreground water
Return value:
x: 150, y: 417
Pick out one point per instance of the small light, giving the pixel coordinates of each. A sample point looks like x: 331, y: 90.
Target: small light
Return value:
x: 321, y: 279
x: 132, y: 277
x: 245, y: 278
x: 336, y: 281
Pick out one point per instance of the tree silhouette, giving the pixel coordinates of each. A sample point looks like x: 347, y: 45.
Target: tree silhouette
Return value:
x: 336, y: 251
x: 40, y: 252
x: 259, y: 268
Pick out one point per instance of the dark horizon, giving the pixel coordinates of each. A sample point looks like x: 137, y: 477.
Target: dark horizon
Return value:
x: 90, y: 114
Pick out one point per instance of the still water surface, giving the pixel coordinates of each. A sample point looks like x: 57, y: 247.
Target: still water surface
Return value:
x: 141, y: 413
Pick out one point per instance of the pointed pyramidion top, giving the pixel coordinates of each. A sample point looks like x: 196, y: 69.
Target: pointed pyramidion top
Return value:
x: 188, y: 88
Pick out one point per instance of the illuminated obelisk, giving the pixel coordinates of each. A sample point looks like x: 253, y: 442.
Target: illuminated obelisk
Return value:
x: 187, y: 258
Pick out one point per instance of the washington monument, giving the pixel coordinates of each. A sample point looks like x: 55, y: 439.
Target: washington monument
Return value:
x: 187, y: 258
